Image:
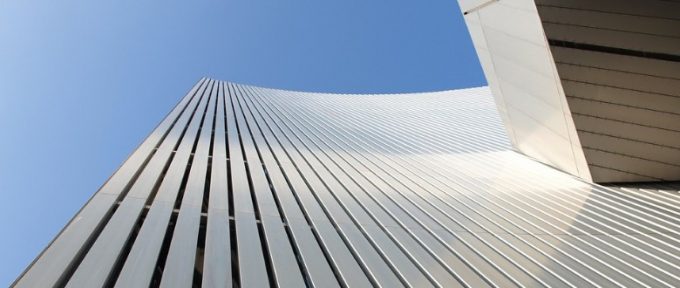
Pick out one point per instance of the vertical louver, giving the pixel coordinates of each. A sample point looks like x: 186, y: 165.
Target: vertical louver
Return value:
x: 243, y: 186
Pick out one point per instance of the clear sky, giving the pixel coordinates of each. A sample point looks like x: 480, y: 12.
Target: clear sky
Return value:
x: 83, y: 82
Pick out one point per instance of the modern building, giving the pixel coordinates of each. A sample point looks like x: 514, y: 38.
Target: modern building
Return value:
x: 241, y: 186
x: 589, y: 87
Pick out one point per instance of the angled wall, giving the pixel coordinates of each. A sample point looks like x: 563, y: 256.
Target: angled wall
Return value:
x: 610, y: 70
x: 518, y: 65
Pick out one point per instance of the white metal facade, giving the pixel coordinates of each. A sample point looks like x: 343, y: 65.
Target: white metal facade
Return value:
x: 242, y: 186
x: 589, y: 87
x: 518, y: 65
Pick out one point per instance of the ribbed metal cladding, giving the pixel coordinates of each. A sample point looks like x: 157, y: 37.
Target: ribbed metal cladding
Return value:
x: 619, y: 66
x: 243, y: 186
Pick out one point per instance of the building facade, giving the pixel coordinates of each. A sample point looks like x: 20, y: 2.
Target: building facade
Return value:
x: 241, y: 186
x: 589, y: 87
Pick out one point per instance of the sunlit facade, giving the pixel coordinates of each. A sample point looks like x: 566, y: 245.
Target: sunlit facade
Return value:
x: 241, y: 186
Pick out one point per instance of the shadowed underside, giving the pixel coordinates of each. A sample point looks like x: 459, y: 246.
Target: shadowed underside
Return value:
x: 589, y: 87
x: 243, y: 186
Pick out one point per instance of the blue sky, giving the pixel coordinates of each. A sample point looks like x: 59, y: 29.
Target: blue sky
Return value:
x: 82, y: 83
